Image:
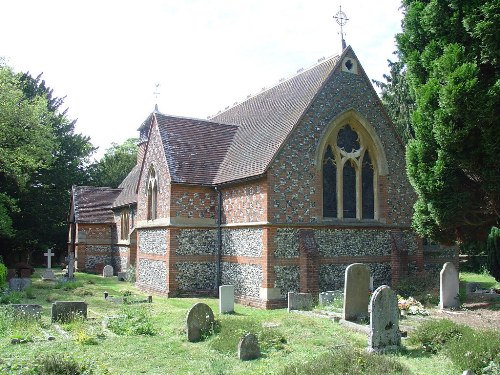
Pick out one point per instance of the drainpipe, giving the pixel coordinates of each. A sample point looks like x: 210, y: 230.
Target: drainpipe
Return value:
x: 219, y: 239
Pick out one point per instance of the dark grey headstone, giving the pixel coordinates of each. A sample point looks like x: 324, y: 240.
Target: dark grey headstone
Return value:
x: 31, y: 310
x: 122, y: 276
x: 248, y: 347
x: 68, y: 310
x: 19, y: 284
x: 299, y: 301
x: 384, y: 320
x: 199, y: 321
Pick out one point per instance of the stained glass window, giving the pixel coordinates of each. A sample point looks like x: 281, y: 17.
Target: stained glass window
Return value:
x: 347, y: 139
x: 329, y: 184
x: 349, y: 196
x: 368, y: 197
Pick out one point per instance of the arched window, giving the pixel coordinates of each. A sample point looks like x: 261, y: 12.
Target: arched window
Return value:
x: 124, y: 225
x: 152, y: 194
x: 348, y: 176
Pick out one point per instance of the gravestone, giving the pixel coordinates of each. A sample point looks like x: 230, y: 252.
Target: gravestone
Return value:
x: 226, y: 299
x: 107, y: 271
x: 299, y: 301
x: 199, y: 321
x: 326, y: 298
x: 31, y: 310
x: 122, y: 276
x: 48, y: 274
x: 384, y: 320
x: 356, y: 291
x: 71, y: 265
x: 248, y: 347
x: 18, y: 284
x: 68, y: 310
x: 449, y: 283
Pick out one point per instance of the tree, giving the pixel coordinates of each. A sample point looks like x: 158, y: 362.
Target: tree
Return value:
x: 26, y: 143
x: 451, y: 50
x: 493, y: 249
x: 397, y: 99
x: 116, y: 164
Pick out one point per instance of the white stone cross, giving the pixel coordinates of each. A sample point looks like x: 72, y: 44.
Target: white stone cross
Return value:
x: 49, y: 254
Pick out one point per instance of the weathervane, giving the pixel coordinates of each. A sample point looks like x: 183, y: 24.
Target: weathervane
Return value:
x: 341, y: 19
x: 156, y: 93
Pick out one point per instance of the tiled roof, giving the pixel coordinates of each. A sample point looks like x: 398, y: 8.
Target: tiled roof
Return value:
x: 93, y: 204
x: 265, y: 121
x: 194, y: 148
x: 128, y: 188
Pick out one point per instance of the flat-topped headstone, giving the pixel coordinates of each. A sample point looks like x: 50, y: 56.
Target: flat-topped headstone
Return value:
x: 356, y: 291
x: 299, y: 301
x: 68, y: 310
x: 107, y: 271
x: 199, y: 321
x: 226, y: 299
x: 19, y: 284
x: 48, y: 274
x: 31, y: 310
x: 449, y: 284
x: 248, y: 347
x: 326, y: 298
x: 384, y: 320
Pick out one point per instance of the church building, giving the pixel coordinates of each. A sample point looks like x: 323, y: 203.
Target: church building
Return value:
x: 278, y: 193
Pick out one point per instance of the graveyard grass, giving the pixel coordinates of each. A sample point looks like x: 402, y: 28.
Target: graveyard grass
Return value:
x: 150, y: 338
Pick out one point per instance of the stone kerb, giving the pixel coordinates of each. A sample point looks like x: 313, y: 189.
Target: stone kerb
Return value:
x: 356, y: 291
x: 384, y: 320
x: 19, y: 284
x: 68, y: 310
x: 299, y: 301
x: 248, y: 347
x: 31, y: 310
x: 107, y: 271
x: 199, y: 321
x: 449, y: 284
x: 226, y: 299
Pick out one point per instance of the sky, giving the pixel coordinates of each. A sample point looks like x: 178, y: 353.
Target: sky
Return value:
x: 106, y: 57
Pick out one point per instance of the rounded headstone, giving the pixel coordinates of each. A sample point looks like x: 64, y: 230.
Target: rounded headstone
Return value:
x: 199, y: 320
x: 248, y: 347
x: 384, y: 320
x: 107, y: 271
x: 449, y: 285
x: 356, y: 291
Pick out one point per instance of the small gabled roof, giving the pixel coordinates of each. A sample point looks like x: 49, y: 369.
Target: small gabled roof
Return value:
x: 93, y: 204
x: 194, y: 148
x: 265, y: 121
x: 128, y: 188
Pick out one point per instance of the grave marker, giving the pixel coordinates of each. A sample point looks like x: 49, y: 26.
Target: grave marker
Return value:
x: 384, y: 320
x: 19, y: 284
x: 449, y: 284
x: 248, y: 347
x: 356, y: 291
x: 68, y: 310
x: 48, y: 274
x: 31, y: 310
x: 107, y: 271
x: 299, y: 301
x: 199, y: 321
x: 226, y: 299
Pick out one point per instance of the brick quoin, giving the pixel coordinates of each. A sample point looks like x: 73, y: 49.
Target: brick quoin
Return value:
x: 308, y: 262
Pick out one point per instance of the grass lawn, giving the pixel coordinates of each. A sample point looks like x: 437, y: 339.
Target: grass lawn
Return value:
x: 291, y: 343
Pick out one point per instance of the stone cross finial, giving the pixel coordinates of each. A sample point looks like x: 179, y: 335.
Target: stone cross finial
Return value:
x: 341, y: 19
x: 49, y: 254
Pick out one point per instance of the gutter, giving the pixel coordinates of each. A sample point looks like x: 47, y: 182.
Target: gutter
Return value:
x: 219, y: 240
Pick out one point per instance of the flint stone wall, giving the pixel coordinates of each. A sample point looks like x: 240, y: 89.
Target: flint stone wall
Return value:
x: 242, y: 242
x: 195, y: 276
x: 331, y: 276
x: 287, y: 243
x: 153, y: 241
x: 196, y: 242
x: 152, y: 274
x: 287, y: 279
x: 246, y: 278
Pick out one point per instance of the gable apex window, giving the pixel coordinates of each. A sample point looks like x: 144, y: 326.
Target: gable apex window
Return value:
x: 349, y: 175
x: 152, y: 194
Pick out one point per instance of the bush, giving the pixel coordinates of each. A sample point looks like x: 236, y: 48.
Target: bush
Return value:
x: 475, y: 351
x: 11, y: 297
x: 347, y: 361
x: 3, y: 275
x: 58, y: 364
x: 433, y: 335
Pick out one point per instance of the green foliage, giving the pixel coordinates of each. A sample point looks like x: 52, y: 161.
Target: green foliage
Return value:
x: 346, y: 361
x: 133, y: 320
x: 232, y: 328
x: 65, y: 364
x: 3, y: 275
x: 450, y: 50
x: 11, y: 297
x: 493, y: 249
x: 424, y: 288
x: 434, y: 335
x: 116, y: 164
